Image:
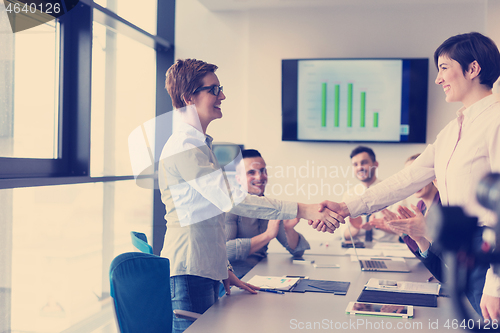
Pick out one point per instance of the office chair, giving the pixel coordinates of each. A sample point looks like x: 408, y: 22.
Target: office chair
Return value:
x: 140, y: 288
x: 140, y: 241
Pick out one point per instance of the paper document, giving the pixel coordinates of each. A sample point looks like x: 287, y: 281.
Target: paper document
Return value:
x: 366, y: 252
x: 405, y: 252
x: 273, y: 282
x: 403, y: 286
x: 390, y: 246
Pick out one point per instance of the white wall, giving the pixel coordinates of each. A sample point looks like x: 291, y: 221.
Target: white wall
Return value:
x: 248, y: 47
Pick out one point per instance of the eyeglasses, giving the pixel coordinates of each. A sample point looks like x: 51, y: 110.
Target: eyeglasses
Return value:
x: 214, y: 90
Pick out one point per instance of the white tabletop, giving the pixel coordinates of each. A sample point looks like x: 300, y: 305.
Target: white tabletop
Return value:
x: 292, y: 312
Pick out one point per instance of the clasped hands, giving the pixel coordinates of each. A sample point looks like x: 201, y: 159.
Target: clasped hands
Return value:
x: 332, y: 214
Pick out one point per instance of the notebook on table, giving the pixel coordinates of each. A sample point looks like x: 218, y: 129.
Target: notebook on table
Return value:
x: 321, y: 286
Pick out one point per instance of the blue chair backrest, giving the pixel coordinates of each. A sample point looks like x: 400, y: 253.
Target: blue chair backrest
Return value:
x: 140, y: 287
x: 140, y: 241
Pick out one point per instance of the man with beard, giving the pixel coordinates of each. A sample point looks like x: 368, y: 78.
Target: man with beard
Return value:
x: 247, y: 238
x: 365, y: 166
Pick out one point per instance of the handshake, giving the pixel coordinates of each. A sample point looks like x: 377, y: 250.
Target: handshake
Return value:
x: 325, y: 216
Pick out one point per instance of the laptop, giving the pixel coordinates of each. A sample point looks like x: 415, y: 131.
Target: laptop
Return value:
x: 383, y: 265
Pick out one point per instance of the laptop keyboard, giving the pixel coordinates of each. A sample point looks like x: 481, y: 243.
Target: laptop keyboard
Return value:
x: 375, y: 264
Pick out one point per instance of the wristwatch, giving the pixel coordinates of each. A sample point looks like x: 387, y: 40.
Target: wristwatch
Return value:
x: 229, y: 267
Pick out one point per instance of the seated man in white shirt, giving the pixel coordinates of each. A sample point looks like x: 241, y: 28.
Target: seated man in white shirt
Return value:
x: 247, y: 238
x: 365, y: 166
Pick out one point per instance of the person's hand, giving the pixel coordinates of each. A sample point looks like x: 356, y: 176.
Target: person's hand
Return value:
x: 381, y: 223
x: 356, y: 222
x: 320, y: 226
x: 318, y: 213
x: 290, y: 224
x: 389, y: 215
x: 415, y: 226
x: 273, y: 226
x: 490, y: 307
x: 406, y: 213
x: 233, y: 280
x: 340, y: 208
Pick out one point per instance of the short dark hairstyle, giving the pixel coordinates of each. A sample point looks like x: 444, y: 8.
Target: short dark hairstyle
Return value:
x: 184, y: 77
x: 363, y: 149
x: 466, y: 48
x: 249, y: 153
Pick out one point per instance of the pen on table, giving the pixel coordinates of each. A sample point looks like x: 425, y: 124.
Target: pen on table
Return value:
x: 310, y: 285
x: 272, y: 291
x: 327, y: 290
x: 430, y: 279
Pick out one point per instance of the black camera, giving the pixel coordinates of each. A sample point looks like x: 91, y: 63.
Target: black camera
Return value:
x: 460, y: 239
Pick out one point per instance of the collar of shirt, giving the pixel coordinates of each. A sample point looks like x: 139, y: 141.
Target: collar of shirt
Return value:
x: 190, y: 130
x: 468, y: 115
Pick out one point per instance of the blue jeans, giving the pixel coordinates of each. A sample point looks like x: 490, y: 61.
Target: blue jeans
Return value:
x: 477, y: 276
x: 191, y: 293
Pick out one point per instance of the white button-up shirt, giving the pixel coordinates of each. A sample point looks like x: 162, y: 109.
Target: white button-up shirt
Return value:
x: 465, y: 151
x: 196, y: 195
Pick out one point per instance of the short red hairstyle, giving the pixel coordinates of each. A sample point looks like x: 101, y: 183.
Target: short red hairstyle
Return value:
x: 184, y: 77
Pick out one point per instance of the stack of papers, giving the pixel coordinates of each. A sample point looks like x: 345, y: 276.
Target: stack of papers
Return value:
x: 274, y: 282
x: 403, y: 286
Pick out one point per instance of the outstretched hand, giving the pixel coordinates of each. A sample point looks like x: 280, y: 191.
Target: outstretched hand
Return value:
x: 329, y: 218
x: 233, y: 280
x: 341, y: 211
x: 381, y: 223
x: 414, y: 226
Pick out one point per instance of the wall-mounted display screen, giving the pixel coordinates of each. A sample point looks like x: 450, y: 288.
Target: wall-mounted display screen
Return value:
x: 354, y: 100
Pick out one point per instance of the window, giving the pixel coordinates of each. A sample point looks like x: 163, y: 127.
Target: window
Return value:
x: 71, y: 91
x: 141, y: 13
x: 123, y: 97
x: 30, y: 109
x: 60, y: 261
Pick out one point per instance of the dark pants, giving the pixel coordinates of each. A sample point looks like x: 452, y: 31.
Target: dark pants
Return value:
x: 477, y: 276
x: 191, y: 293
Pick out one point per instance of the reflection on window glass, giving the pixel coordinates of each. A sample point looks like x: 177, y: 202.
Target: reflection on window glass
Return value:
x: 29, y: 85
x: 61, y: 254
x: 123, y: 98
x: 141, y: 13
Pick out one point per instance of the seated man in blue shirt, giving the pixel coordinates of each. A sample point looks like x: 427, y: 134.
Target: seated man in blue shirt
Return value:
x: 247, y: 238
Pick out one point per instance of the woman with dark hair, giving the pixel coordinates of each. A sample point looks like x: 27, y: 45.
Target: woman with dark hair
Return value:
x: 465, y: 151
x: 196, y: 194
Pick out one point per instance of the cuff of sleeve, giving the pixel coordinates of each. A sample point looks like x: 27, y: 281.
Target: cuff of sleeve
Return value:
x: 356, y: 206
x: 424, y: 254
x: 243, y: 246
x: 492, y: 284
x: 289, y: 210
x: 302, y: 245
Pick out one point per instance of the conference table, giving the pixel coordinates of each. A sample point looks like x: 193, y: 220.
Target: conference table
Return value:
x: 314, y: 311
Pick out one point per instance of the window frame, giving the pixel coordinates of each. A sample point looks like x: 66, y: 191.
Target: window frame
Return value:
x: 75, y: 86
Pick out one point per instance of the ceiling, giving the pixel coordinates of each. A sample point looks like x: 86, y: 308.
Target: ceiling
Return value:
x: 242, y: 5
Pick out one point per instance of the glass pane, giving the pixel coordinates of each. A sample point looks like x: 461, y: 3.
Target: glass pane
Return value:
x: 141, y: 13
x: 123, y: 98
x: 29, y: 90
x: 133, y: 212
x: 60, y: 261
